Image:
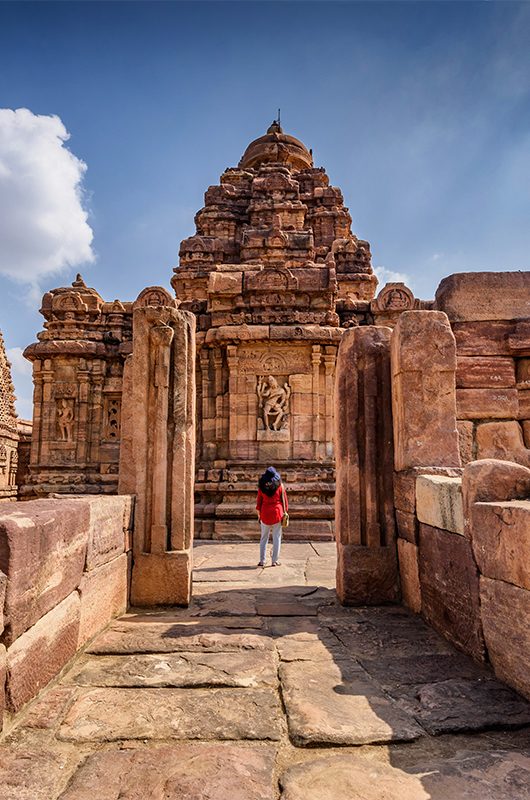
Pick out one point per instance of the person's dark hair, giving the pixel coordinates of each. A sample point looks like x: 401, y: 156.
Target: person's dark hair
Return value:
x: 269, y: 481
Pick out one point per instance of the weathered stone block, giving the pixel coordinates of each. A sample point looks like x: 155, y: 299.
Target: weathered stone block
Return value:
x: 489, y: 338
x: 161, y: 579
x: 42, y: 551
x: 501, y: 540
x: 502, y: 440
x: 423, y: 356
x: 439, y: 502
x: 367, y: 575
x: 103, y: 595
x: 450, y: 589
x: 490, y: 480
x: 37, y: 656
x: 482, y: 372
x: 3, y: 588
x: 216, y: 771
x: 407, y: 525
x: 405, y: 484
x: 486, y: 403
x: 505, y: 615
x: 3, y: 674
x: 409, y: 574
x: 110, y: 521
x: 465, y: 440
x: 523, y: 400
x: 488, y: 296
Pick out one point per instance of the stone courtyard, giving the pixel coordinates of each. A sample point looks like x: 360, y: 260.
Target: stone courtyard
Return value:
x: 266, y: 688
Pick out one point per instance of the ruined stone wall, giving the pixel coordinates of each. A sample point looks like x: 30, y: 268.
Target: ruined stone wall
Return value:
x: 64, y: 566
x: 489, y: 313
x: 468, y: 574
x: 8, y: 430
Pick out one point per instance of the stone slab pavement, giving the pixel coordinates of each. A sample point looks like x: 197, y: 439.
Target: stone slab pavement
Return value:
x: 265, y: 688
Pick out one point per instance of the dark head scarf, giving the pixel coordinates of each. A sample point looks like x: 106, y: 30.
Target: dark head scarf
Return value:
x: 269, y: 481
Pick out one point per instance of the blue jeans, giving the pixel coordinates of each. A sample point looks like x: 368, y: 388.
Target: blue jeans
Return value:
x: 276, y: 541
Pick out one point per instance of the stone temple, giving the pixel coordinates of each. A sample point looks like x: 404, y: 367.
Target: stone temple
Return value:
x: 132, y: 659
x: 273, y: 275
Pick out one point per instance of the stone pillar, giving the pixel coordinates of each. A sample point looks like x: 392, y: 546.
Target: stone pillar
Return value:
x: 364, y: 509
x: 158, y: 455
x: 423, y: 356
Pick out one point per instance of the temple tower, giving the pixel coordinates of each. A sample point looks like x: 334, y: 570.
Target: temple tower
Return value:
x: 273, y: 275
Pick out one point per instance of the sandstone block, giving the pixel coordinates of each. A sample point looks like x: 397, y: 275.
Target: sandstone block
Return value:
x: 409, y: 574
x: 526, y: 432
x: 103, y: 595
x: 187, y: 771
x: 405, y: 484
x: 501, y: 540
x: 407, y: 525
x: 474, y: 296
x: 106, y: 715
x: 487, y: 403
x: 331, y: 702
x: 523, y: 399
x: 367, y: 575
x: 40, y: 653
x: 471, y: 775
x: 3, y: 588
x: 489, y: 338
x: 161, y: 578
x: 450, y: 589
x: 110, y: 520
x: 502, y: 440
x: 3, y: 674
x: 252, y: 668
x: 36, y: 770
x: 465, y: 440
x: 439, y: 502
x: 505, y: 615
x: 42, y: 551
x: 423, y: 356
x: 483, y: 372
x: 489, y: 480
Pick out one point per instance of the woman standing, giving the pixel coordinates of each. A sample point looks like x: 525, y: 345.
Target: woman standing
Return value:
x: 271, y: 506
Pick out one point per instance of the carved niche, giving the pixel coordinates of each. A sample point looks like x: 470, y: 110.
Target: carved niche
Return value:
x: 393, y: 297
x: 273, y: 408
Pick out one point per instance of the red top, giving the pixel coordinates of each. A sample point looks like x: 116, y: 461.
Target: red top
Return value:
x: 271, y: 508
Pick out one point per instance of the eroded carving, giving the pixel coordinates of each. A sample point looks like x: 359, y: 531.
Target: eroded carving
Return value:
x: 273, y: 403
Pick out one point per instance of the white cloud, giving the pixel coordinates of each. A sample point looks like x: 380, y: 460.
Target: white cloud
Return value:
x: 19, y: 364
x: 385, y: 275
x: 43, y: 224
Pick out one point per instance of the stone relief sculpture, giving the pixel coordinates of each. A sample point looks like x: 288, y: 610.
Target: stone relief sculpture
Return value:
x: 65, y: 420
x: 273, y: 403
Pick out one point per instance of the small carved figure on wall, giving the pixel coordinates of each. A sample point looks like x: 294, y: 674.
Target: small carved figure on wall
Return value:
x: 273, y: 403
x: 65, y: 419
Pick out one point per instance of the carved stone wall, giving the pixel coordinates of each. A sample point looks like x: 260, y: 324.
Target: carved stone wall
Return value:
x: 8, y: 430
x: 77, y: 375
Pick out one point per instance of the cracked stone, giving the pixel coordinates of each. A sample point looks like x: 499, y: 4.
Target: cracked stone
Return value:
x: 238, y: 669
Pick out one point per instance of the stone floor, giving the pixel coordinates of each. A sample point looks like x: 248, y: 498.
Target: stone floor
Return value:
x: 266, y: 688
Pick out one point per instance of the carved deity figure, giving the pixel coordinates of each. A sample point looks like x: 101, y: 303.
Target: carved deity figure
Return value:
x: 273, y: 403
x: 65, y: 420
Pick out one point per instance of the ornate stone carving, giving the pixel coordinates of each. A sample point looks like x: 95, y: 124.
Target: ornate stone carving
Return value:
x: 392, y: 300
x: 273, y: 403
x: 65, y: 419
x: 112, y: 418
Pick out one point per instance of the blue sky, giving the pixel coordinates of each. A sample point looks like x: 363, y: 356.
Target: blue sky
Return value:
x: 420, y: 112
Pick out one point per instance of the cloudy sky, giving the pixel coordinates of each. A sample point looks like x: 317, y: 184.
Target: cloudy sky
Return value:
x: 117, y: 116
